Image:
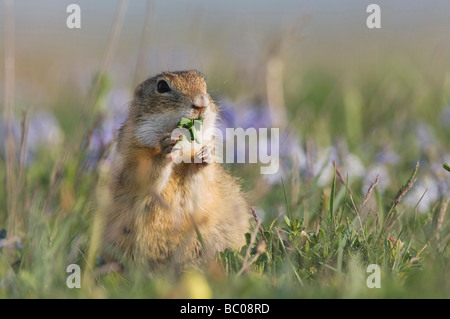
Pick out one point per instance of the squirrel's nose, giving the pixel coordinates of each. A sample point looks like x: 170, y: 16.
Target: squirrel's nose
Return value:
x: 201, y: 101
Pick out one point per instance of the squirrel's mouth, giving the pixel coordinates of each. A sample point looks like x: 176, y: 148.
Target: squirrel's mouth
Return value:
x: 197, y: 112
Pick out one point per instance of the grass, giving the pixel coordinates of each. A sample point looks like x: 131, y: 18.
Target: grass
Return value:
x: 317, y: 227
x: 313, y: 242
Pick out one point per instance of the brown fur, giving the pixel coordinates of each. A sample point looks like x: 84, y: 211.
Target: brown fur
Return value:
x: 156, y: 205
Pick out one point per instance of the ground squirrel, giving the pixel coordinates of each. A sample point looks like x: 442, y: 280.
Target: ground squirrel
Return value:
x: 158, y: 208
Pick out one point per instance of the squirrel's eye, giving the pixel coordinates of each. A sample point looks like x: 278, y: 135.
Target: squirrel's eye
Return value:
x: 163, y: 87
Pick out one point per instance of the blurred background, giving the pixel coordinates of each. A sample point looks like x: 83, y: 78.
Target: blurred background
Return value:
x: 373, y: 101
x: 310, y: 67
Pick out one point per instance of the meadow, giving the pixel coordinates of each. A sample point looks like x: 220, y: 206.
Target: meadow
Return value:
x: 362, y: 181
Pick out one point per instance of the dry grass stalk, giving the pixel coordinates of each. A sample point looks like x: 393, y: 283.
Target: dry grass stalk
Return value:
x: 246, y: 263
x: 145, y: 42
x: 111, y: 46
x: 342, y: 180
x: 258, y: 222
x: 440, y: 219
x: 8, y: 105
x: 406, y: 187
x: 370, y: 191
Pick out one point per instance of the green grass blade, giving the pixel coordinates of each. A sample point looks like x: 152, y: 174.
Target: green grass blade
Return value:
x: 447, y: 167
x: 331, y: 209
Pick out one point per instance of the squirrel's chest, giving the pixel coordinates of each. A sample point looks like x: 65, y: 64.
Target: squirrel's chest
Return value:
x: 171, y: 214
x: 165, y: 231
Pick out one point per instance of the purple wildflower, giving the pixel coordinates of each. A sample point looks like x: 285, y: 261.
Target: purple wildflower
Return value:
x: 114, y: 116
x: 44, y: 132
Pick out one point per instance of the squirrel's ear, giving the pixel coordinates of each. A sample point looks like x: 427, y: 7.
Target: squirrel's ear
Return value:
x: 139, y: 91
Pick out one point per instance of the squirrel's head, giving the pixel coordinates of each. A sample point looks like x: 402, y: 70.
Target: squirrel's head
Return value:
x: 161, y: 101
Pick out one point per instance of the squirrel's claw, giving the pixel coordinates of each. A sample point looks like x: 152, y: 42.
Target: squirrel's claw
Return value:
x: 205, y: 155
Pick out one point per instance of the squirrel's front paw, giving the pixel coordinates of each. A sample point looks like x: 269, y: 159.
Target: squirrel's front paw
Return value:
x: 205, y: 155
x: 167, y: 143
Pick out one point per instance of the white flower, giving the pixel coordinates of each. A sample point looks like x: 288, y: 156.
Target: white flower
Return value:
x: 353, y: 166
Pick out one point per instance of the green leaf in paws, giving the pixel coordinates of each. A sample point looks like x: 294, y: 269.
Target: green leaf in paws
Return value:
x: 193, y: 125
x: 184, y: 121
x: 447, y: 167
